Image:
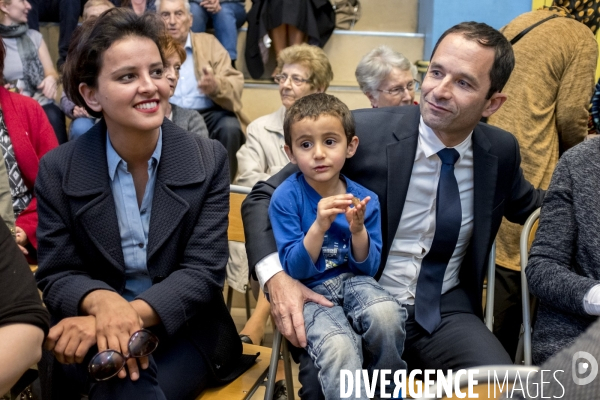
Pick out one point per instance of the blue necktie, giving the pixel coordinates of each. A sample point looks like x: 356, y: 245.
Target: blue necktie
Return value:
x: 448, y: 217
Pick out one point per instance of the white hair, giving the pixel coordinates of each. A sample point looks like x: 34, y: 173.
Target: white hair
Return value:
x: 376, y: 65
x: 186, y: 4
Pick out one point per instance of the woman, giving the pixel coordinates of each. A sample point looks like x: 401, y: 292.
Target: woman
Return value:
x: 28, y: 67
x: 189, y: 120
x: 25, y: 136
x: 387, y: 78
x: 301, y: 70
x: 133, y: 227
x: 563, y: 270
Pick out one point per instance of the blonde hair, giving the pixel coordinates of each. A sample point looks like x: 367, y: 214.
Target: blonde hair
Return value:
x: 313, y: 58
x: 95, y: 3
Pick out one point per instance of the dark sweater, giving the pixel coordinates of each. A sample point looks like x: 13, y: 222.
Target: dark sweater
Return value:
x: 565, y: 257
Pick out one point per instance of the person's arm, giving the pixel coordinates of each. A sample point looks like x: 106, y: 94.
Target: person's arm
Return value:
x: 251, y: 157
x: 197, y: 125
x: 574, y: 92
x: 550, y: 271
x: 49, y: 84
x: 371, y: 242
x: 20, y: 348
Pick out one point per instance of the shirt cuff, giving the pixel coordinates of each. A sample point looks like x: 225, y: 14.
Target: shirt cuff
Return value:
x: 266, y: 268
x: 591, y: 301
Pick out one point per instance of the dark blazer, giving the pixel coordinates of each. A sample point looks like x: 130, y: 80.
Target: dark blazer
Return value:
x: 383, y: 163
x: 80, y: 246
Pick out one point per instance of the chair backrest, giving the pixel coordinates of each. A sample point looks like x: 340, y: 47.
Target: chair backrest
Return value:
x: 235, y: 231
x: 489, y: 289
x: 527, y: 236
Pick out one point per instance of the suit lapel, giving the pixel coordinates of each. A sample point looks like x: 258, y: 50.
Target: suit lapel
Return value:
x: 88, y: 177
x: 485, y: 174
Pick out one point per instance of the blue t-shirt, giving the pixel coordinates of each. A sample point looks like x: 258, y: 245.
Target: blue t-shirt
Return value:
x: 293, y: 210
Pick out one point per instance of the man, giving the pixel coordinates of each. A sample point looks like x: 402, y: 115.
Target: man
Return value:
x: 547, y: 110
x: 208, y: 83
x: 398, y: 160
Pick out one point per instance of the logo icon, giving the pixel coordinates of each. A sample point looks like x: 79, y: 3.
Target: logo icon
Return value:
x: 580, y: 368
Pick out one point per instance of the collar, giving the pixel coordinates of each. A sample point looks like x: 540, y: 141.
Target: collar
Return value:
x: 276, y: 123
x: 431, y: 144
x: 188, y: 41
x: 114, y: 159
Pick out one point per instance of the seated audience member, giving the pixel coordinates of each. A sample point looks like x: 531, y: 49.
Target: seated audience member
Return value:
x: 188, y: 120
x: 23, y: 319
x: 444, y: 181
x: 226, y: 17
x: 138, y: 6
x: 563, y: 270
x: 209, y: 84
x: 130, y: 236
x: 28, y: 67
x: 333, y: 248
x: 81, y: 120
x: 65, y: 12
x: 25, y: 136
x: 301, y: 69
x: 387, y: 78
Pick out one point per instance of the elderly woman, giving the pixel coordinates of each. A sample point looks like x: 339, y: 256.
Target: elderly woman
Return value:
x: 28, y: 67
x: 564, y: 265
x: 133, y: 231
x: 387, y: 78
x: 301, y: 70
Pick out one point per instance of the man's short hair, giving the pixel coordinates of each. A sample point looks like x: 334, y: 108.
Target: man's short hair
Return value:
x: 186, y: 4
x: 377, y: 64
x: 96, y: 3
x: 313, y: 106
x: 313, y: 58
x: 485, y: 35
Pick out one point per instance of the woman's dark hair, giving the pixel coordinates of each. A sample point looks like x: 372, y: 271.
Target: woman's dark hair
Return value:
x: 2, y: 55
x: 94, y: 37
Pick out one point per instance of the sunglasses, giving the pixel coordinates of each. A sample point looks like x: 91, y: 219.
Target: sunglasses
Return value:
x: 109, y: 363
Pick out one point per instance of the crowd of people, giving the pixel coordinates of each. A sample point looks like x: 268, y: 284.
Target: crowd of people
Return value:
x: 367, y: 231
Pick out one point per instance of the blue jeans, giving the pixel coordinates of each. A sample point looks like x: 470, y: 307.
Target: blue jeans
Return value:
x: 226, y: 23
x: 79, y: 126
x: 364, y: 313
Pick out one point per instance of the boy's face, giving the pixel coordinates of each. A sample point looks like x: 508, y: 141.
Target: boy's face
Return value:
x: 320, y: 148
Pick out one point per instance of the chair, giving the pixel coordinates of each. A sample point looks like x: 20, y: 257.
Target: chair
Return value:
x: 279, y: 342
x: 235, y: 232
x: 527, y: 236
x: 489, y: 289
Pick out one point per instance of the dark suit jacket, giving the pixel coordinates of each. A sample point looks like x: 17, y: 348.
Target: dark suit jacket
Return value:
x: 80, y: 246
x: 383, y: 163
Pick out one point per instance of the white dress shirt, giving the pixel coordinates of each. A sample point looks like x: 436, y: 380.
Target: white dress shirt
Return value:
x: 417, y: 224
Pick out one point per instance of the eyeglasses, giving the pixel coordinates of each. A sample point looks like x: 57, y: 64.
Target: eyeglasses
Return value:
x: 296, y: 80
x: 411, y: 87
x: 109, y: 363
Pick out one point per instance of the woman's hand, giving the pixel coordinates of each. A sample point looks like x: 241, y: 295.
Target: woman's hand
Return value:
x: 116, y: 321
x: 22, y: 240
x: 212, y: 6
x: 48, y: 87
x: 71, y: 339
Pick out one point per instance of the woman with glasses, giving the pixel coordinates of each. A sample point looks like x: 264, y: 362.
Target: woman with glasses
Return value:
x: 133, y: 231
x: 301, y: 70
x: 387, y: 78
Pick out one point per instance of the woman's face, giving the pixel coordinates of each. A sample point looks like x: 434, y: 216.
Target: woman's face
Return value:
x: 172, y: 67
x: 395, y: 79
x: 288, y: 90
x: 16, y: 11
x: 132, y: 91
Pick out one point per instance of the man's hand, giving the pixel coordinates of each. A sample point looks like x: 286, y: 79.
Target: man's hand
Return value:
x: 208, y: 83
x: 71, y: 339
x: 356, y: 216
x: 328, y: 209
x: 80, y: 112
x: 48, y: 86
x: 212, y: 6
x: 116, y: 321
x: 287, y: 297
x: 22, y: 240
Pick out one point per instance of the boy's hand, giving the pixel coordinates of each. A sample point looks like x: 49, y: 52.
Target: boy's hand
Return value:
x: 356, y: 216
x: 328, y: 208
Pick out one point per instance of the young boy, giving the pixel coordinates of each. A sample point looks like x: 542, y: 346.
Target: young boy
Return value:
x: 334, y: 248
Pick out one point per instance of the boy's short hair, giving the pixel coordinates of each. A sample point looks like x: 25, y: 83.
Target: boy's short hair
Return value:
x: 313, y: 106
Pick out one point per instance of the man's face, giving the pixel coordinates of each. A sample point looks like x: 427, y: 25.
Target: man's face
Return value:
x: 176, y: 18
x: 453, y: 94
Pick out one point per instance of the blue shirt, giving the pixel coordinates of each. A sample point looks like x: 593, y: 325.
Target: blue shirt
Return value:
x: 187, y: 93
x: 134, y: 222
x: 293, y: 210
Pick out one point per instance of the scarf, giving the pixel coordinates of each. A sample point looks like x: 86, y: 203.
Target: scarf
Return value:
x: 33, y: 71
x: 584, y: 11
